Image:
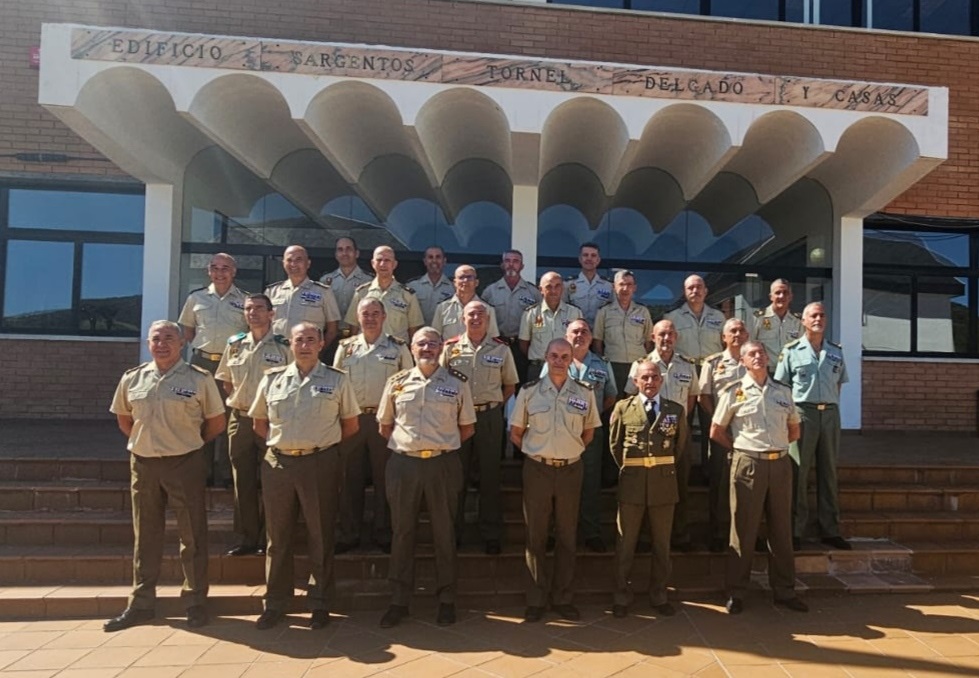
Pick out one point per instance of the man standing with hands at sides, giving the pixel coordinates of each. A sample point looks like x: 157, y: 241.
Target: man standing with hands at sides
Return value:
x: 763, y: 422
x: 776, y: 325
x: 510, y: 296
x: 545, y: 321
x: 646, y: 431
x: 492, y: 377
x: 554, y: 418
x: 622, y: 329
x: 298, y: 299
x: 344, y: 281
x: 168, y: 410
x: 588, y: 291
x: 432, y: 288
x: 813, y: 366
x: 426, y: 413
x: 448, y: 319
x: 404, y: 315
x: 248, y: 356
x: 303, y: 411
x: 719, y: 371
x: 370, y: 358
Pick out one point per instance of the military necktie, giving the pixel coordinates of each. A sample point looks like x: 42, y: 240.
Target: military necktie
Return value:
x: 651, y: 410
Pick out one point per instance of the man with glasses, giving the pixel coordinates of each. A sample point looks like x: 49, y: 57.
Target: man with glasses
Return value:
x: 404, y: 314
x: 448, y: 320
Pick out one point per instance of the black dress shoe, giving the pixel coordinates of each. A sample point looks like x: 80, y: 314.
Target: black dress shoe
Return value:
x: 493, y: 547
x: 793, y: 604
x: 796, y: 544
x: 665, y: 609
x: 533, y: 614
x: 567, y: 611
x: 268, y: 619
x: 837, y: 543
x: 319, y: 619
x: 393, y: 616
x: 196, y: 616
x: 620, y: 611
x: 596, y: 545
x: 131, y: 616
x: 242, y: 550
x: 734, y: 606
x: 718, y: 545
x: 446, y: 614
x: 344, y: 546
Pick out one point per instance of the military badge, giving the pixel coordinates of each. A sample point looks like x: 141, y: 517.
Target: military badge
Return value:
x: 739, y: 397
x: 578, y: 403
x: 539, y: 321
x: 325, y: 389
x: 668, y: 425
x: 183, y: 392
x: 239, y: 305
x: 572, y: 288
x: 398, y: 304
x: 447, y: 391
x: 456, y: 351
x: 308, y: 297
x: 767, y: 323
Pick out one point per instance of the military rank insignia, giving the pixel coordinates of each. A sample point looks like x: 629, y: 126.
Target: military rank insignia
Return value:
x: 767, y: 323
x: 539, y: 321
x: 739, y: 397
x: 668, y: 425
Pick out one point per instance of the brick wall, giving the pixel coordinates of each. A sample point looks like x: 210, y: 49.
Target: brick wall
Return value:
x: 61, y: 379
x: 941, y: 396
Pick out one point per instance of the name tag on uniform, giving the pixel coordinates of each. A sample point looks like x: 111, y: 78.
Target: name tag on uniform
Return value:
x: 833, y: 358
x: 529, y: 301
x: 714, y: 323
x: 397, y: 303
x: 565, y: 323
x: 599, y: 375
x: 578, y: 403
x: 782, y: 403
x: 637, y: 320
x: 274, y: 358
x: 682, y: 377
x: 326, y: 390
x: 183, y: 392
x: 308, y: 297
x: 748, y: 408
x: 387, y: 358
x: 240, y: 305
x: 446, y: 295
x: 492, y: 360
x: 447, y: 391
x: 604, y: 294
x: 794, y: 334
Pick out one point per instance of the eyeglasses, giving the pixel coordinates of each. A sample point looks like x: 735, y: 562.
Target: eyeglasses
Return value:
x: 427, y: 344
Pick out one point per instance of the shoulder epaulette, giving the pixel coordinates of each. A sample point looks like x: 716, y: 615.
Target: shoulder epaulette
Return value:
x: 408, y: 289
x: 320, y: 284
x: 279, y: 339
x: 590, y: 387
x: 791, y: 343
x: 135, y: 369
x: 348, y: 340
x: 686, y: 359
x: 533, y: 305
x: 199, y: 369
x: 457, y: 374
x: 501, y: 340
x: 454, y: 340
x: 570, y: 278
x: 275, y: 284
x: 331, y: 368
x: 532, y: 382
x: 759, y: 313
x: 398, y: 340
x: 604, y: 359
x: 237, y: 337
x: 363, y: 286
x: 797, y: 315
x: 276, y: 370
x: 399, y: 376
x: 833, y: 343
x: 714, y: 356
x: 727, y: 387
x: 199, y: 289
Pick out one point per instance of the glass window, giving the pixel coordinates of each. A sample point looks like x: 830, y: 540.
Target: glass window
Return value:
x: 676, y: 6
x: 896, y: 15
x: 745, y: 9
x: 943, y: 314
x: 886, y: 312
x: 112, y: 289
x: 76, y: 211
x: 38, y: 285
x: 836, y: 12
x: 915, y: 248
x: 950, y: 17
x: 615, y: 4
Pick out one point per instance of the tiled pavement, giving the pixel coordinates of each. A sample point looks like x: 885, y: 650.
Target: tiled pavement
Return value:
x: 873, y: 635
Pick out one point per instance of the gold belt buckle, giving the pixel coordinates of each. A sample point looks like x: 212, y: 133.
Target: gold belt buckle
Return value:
x: 772, y: 456
x: 425, y: 454
x: 821, y: 406
x: 649, y: 462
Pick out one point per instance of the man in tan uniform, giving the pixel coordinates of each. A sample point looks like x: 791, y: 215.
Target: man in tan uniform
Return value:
x: 777, y: 325
x: 492, y: 377
x: 763, y: 422
x: 588, y: 290
x: 448, y: 318
x: 510, y: 296
x: 622, y: 329
x: 168, y: 410
x: 247, y: 357
x: 544, y: 322
x: 303, y: 411
x: 404, y: 315
x: 426, y: 413
x: 645, y: 433
x: 370, y: 358
x: 298, y: 299
x: 432, y: 288
x: 344, y: 281
x: 554, y: 418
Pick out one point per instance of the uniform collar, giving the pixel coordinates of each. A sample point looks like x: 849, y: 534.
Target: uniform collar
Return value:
x: 177, y: 368
x: 656, y: 358
x: 643, y: 400
x: 212, y: 290
x: 287, y: 283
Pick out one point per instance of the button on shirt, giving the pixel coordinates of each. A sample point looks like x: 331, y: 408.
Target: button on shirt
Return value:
x: 448, y: 318
x: 489, y: 366
x: 555, y: 419
x: 426, y: 413
x: 774, y: 332
x: 343, y: 287
x: 511, y: 304
x: 680, y: 379
x: 594, y: 371
x: 371, y: 365
x: 718, y: 371
x: 813, y: 378
x: 623, y: 332
x: 539, y: 325
x: 400, y: 305
x: 309, y: 301
x: 697, y: 337
x: 431, y: 294
x: 213, y: 317
x: 758, y: 415
x: 304, y: 412
x: 245, y: 362
x: 588, y: 295
x: 168, y: 408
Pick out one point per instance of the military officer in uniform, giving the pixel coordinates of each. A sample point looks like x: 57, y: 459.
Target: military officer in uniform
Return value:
x: 813, y: 366
x: 718, y: 371
x: 492, y: 377
x: 404, y: 315
x: 510, y: 296
x: 763, y: 422
x: 554, y: 418
x: 298, y: 299
x: 303, y: 411
x: 370, y: 358
x: 426, y: 413
x: 432, y: 288
x: 777, y: 325
x: 168, y: 410
x: 622, y: 329
x: 448, y: 320
x: 247, y: 357
x: 545, y: 321
x: 588, y: 290
x: 344, y: 281
x: 645, y: 433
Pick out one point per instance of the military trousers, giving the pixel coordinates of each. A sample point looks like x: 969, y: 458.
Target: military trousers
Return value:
x: 719, y: 492
x: 760, y: 487
x: 629, y: 522
x: 437, y: 480
x: 551, y: 491
x: 680, y: 531
x: 246, y: 451
x: 294, y: 486
x: 178, y: 483
x: 818, y: 446
x: 365, y: 458
x: 215, y: 451
x: 481, y: 455
x: 590, y: 509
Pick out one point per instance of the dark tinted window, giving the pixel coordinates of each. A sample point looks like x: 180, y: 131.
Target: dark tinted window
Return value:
x: 76, y: 211
x: 38, y: 285
x: 745, y: 9
x: 950, y: 17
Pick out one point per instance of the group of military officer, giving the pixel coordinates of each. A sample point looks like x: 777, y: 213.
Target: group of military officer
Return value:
x: 413, y: 403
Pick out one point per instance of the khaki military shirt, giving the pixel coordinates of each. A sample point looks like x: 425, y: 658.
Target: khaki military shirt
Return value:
x: 588, y: 295
x: 813, y: 378
x: 539, y: 325
x: 773, y: 332
x: 245, y: 361
x: 304, y: 412
x: 718, y: 371
x: 448, y: 318
x: 510, y: 304
x: 697, y: 338
x: 431, y: 295
x: 680, y: 378
x: 758, y: 415
x: 555, y: 419
x: 400, y: 304
x: 371, y: 365
x: 214, y: 318
x: 168, y: 409
x: 489, y: 366
x: 426, y: 413
x: 343, y: 287
x: 623, y: 333
x: 595, y: 371
x: 310, y: 301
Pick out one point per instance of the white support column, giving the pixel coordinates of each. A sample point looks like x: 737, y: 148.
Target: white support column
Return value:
x: 161, y: 255
x: 847, y: 327
x: 524, y: 231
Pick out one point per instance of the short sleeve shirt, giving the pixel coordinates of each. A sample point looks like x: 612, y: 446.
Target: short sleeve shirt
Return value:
x: 489, y: 366
x: 510, y: 304
x: 758, y: 415
x: 400, y: 305
x: 245, y: 361
x: 718, y: 371
x: 697, y: 338
x: 594, y: 371
x: 448, y: 318
x: 371, y: 365
x: 680, y: 378
x: 168, y: 408
x: 426, y: 413
x: 430, y: 295
x: 539, y: 325
x: 309, y: 301
x: 623, y: 333
x: 555, y: 419
x: 813, y: 378
x: 588, y: 295
x: 774, y: 332
x: 214, y: 318
x: 343, y: 287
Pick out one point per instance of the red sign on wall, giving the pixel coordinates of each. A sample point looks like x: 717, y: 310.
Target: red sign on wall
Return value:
x: 35, y: 57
